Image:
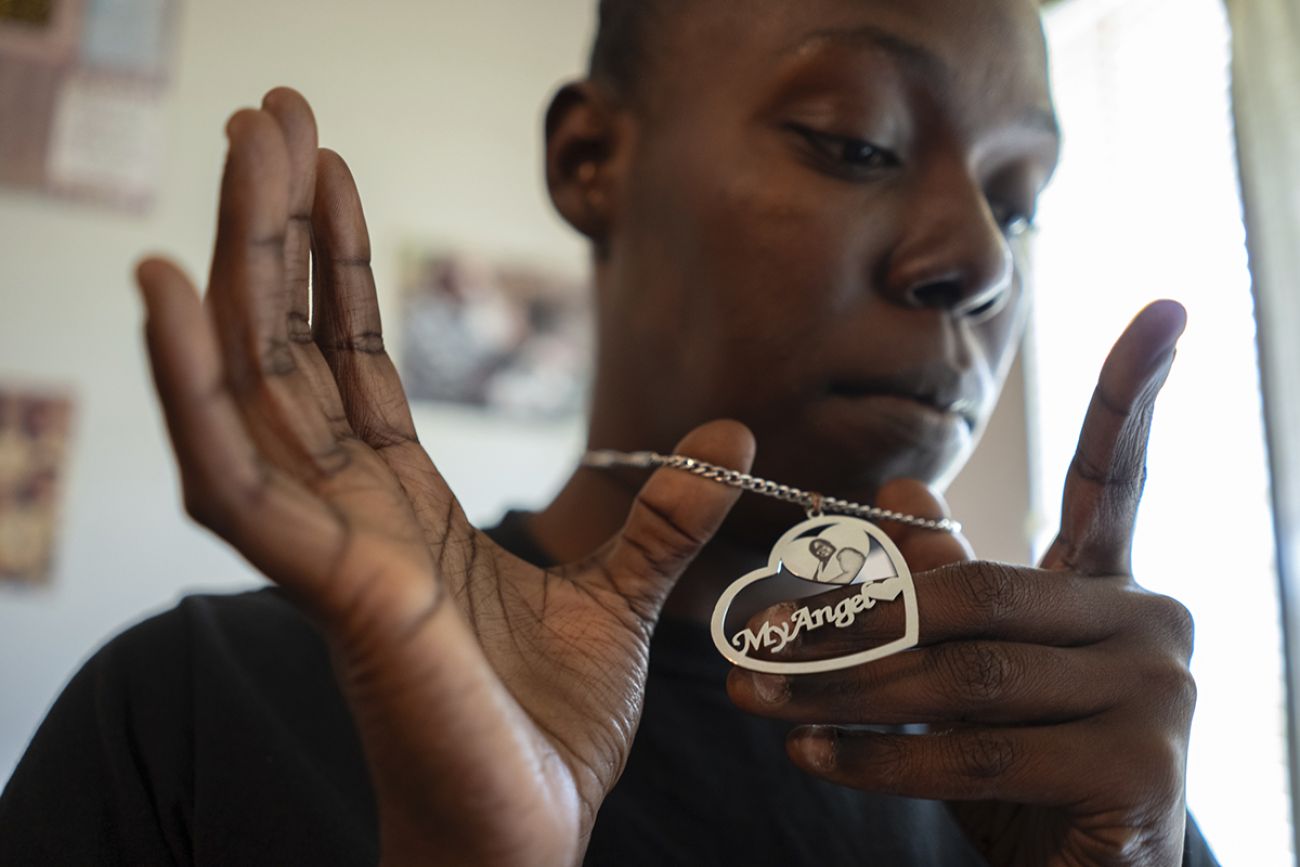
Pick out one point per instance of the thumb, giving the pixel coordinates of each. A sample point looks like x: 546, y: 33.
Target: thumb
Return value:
x: 676, y: 514
x: 922, y: 549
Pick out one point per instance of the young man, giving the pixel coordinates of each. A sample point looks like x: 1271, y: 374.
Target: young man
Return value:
x: 805, y: 216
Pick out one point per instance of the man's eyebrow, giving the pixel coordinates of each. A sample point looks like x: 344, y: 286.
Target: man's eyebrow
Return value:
x: 917, y: 58
x: 920, y: 61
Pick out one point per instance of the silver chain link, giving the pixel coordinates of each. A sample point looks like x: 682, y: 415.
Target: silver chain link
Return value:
x: 813, y: 503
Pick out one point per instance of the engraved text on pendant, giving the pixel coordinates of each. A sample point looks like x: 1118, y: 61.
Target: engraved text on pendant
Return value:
x: 815, y: 558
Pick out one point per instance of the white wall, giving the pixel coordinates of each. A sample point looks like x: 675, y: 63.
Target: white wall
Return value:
x: 437, y: 105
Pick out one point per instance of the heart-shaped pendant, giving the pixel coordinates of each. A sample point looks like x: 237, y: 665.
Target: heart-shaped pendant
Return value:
x: 819, y: 555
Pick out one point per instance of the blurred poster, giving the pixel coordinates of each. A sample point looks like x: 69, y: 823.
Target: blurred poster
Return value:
x: 34, y: 431
x: 511, y: 339
x: 81, y: 88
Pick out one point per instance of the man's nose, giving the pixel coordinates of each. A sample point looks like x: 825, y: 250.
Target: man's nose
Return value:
x: 952, y: 253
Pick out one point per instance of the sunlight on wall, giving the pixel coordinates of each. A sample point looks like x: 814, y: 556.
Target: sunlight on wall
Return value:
x: 1147, y: 206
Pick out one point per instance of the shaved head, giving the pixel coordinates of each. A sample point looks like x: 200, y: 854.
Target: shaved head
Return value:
x: 625, y: 38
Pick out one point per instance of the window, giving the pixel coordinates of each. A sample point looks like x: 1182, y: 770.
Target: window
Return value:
x: 1146, y: 205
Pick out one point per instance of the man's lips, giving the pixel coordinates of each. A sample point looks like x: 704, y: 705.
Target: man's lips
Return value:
x: 941, y: 390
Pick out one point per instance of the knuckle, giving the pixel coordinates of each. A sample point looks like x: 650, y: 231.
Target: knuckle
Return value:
x: 299, y: 328
x: 984, y: 756
x: 891, y: 763
x: 1174, y: 623
x: 1136, y: 842
x: 276, y: 358
x: 362, y: 343
x: 1173, y: 688
x: 655, y: 557
x: 1190, y: 692
x: 332, y: 461
x: 1181, y: 625
x: 1089, y: 469
x: 381, y: 435
x: 990, y: 588
x: 660, y: 541
x: 1158, y: 762
x: 974, y: 674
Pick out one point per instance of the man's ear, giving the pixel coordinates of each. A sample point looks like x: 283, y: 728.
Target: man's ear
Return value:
x: 583, y: 141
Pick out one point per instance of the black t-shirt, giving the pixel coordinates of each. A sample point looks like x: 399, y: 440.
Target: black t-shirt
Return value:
x: 215, y: 734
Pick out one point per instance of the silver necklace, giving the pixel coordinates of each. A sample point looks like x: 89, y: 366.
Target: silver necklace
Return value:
x: 837, y: 547
x: 813, y: 503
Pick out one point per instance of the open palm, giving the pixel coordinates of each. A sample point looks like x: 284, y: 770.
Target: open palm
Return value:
x: 496, y: 701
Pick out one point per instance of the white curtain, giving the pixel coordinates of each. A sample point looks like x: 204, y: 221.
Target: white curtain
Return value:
x: 1266, y: 90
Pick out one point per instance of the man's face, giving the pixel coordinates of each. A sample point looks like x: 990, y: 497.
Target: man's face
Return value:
x: 816, y: 233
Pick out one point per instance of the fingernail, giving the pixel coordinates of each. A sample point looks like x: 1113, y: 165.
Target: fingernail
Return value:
x: 1175, y: 324
x: 778, y: 613
x: 771, y: 688
x: 1166, y: 364
x: 1180, y: 316
x: 235, y: 120
x: 818, y: 746
x: 1158, y: 374
x: 781, y: 616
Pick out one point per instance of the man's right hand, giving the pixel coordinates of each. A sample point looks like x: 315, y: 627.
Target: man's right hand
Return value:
x: 496, y: 701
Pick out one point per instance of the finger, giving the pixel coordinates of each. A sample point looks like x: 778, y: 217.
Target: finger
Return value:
x: 969, y: 601
x: 212, y: 447
x: 1032, y: 765
x: 922, y: 549
x: 227, y: 486
x: 1105, y: 479
x: 298, y: 127
x: 249, y: 302
x: 246, y: 288
x: 674, y: 516
x: 349, y: 334
x: 988, y: 682
x: 347, y: 325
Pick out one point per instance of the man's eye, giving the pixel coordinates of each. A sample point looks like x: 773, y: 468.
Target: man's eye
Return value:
x: 848, y: 155
x: 864, y: 154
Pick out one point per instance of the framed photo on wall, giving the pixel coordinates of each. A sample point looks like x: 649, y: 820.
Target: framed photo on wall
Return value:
x: 35, y: 426
x: 512, y: 339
